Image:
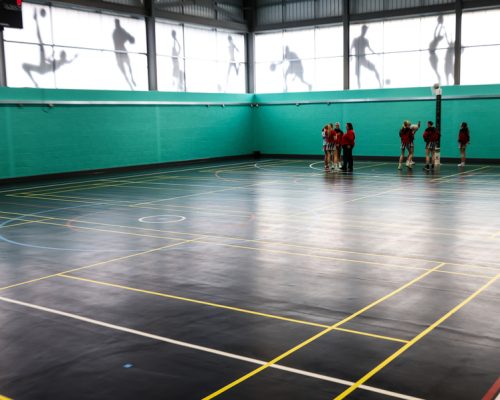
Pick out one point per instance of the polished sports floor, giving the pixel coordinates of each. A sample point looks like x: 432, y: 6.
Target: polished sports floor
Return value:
x: 246, y: 279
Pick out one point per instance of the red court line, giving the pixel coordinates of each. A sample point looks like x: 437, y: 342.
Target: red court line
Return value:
x: 493, y: 392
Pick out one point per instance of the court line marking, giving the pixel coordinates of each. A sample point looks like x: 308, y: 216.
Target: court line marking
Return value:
x: 129, y: 203
x: 199, y: 348
x: 257, y: 165
x: 125, y: 181
x: 155, y: 219
x: 4, y: 397
x: 70, y: 199
x: 378, y: 164
x: 135, y: 175
x: 160, y: 184
x: 122, y: 182
x: 459, y: 173
x: 451, y: 232
x: 318, y: 209
x: 318, y: 335
x: 25, y: 222
x: 204, y: 193
x: 100, y: 184
x: 202, y: 236
x: 217, y: 173
x: 386, y: 265
x: 95, y: 264
x: 316, y: 256
x: 263, y: 216
x: 3, y: 238
x: 283, y: 244
x: 231, y: 308
x: 417, y: 338
x: 493, y: 391
x: 357, y: 168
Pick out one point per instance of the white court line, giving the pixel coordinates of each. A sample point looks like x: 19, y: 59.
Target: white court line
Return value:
x: 205, y: 349
x: 250, y: 163
x: 358, y: 168
x: 459, y: 174
x: 200, y: 194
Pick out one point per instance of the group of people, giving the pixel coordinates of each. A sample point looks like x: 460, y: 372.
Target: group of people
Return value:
x: 432, y: 139
x: 337, y: 145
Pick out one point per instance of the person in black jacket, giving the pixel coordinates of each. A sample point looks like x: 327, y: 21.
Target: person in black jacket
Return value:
x: 347, y: 145
x: 463, y: 140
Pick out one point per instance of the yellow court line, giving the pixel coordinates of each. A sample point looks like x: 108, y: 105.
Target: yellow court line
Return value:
x: 209, y: 211
x: 279, y: 163
x: 466, y: 274
x: 119, y: 182
x: 200, y: 240
x: 459, y: 174
x: 231, y: 308
x: 359, y: 223
x: 263, y: 172
x: 495, y: 269
x: 204, y: 193
x: 4, y: 397
x: 165, y: 173
x: 60, y: 199
x: 315, y: 210
x: 373, y: 335
x: 103, y: 186
x: 159, y: 185
x: 415, y: 340
x: 266, y: 214
x: 58, y: 196
x: 95, y: 265
x: 129, y: 203
x: 203, y: 236
x: 95, y: 185
x: 25, y: 222
x: 386, y: 265
x: 108, y: 231
x: 255, y: 165
x: 320, y: 334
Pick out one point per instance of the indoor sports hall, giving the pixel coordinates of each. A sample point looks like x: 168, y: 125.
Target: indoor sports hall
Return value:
x: 177, y: 223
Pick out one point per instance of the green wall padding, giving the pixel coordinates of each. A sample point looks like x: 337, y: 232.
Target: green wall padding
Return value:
x: 292, y: 129
x: 38, y: 139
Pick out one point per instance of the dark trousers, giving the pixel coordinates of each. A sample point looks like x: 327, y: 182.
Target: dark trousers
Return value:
x: 348, y: 161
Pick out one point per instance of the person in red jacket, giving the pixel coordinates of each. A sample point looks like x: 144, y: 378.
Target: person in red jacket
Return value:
x: 406, y: 134
x: 463, y: 140
x: 431, y: 138
x: 347, y: 145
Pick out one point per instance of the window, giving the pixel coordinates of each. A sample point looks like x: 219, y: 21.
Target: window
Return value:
x: 199, y: 59
x: 403, y: 53
x: 480, y: 47
x: 62, y: 48
x: 299, y: 60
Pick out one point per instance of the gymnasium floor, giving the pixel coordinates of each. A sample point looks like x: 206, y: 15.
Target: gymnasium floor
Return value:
x: 252, y: 280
